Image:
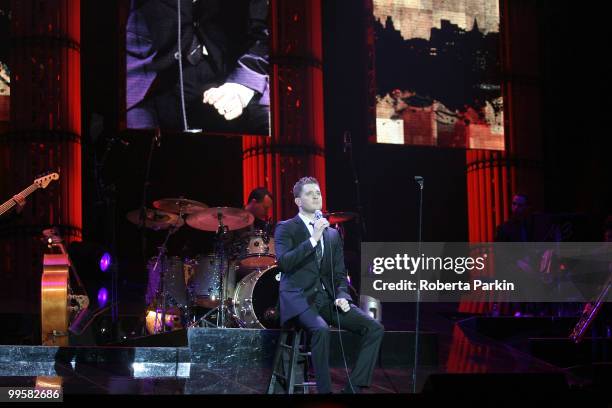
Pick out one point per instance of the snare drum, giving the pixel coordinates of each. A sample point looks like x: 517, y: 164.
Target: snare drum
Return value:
x: 259, y: 251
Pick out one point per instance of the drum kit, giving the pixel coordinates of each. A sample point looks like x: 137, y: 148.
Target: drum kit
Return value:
x: 236, y: 285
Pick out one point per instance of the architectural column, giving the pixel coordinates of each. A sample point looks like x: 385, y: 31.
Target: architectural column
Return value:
x: 296, y: 147
x: 493, y: 177
x: 44, y: 134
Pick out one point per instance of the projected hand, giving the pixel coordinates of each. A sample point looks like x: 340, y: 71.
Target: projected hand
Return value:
x: 229, y: 99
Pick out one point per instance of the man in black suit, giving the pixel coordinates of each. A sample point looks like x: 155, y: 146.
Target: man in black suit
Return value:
x: 313, y: 288
x: 224, y: 45
x: 519, y: 228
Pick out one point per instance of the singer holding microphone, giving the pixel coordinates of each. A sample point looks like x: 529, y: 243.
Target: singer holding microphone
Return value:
x: 313, y: 288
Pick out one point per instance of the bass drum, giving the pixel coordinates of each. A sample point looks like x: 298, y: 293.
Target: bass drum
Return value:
x: 256, y: 298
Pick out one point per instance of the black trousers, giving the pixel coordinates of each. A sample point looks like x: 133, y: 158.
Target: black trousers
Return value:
x: 316, y: 321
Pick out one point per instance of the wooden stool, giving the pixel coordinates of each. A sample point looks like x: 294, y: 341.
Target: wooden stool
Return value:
x: 290, y: 353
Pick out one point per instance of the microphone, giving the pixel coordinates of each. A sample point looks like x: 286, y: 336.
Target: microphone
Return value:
x: 347, y: 141
x: 319, y: 215
x: 419, y: 180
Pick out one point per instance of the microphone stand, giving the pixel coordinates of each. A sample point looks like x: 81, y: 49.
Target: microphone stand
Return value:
x: 161, y: 261
x: 155, y: 141
x: 220, y: 253
x: 419, y: 181
x: 107, y: 193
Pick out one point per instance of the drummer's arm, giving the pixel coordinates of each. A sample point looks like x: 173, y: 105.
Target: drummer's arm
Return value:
x: 287, y: 256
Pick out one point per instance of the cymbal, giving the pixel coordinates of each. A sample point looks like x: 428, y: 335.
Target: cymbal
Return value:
x: 340, y: 217
x: 155, y: 219
x: 175, y: 205
x: 208, y: 219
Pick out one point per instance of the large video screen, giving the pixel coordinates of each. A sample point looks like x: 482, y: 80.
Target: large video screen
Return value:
x: 218, y: 82
x: 5, y: 74
x: 438, y: 73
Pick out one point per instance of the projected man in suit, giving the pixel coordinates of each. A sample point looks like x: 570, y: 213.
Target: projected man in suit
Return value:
x: 224, y: 46
x: 313, y: 288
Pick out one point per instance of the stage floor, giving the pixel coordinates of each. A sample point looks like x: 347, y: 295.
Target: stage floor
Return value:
x: 237, y: 361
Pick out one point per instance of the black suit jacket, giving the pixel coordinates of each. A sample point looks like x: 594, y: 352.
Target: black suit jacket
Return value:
x: 235, y: 34
x: 301, y: 277
x: 516, y: 230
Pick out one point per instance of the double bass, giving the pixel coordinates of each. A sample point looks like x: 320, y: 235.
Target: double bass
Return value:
x: 61, y: 301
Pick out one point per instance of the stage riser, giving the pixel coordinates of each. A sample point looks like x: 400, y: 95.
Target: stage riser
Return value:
x: 226, y: 348
x: 502, y: 328
x: 138, y: 362
x: 255, y: 348
x: 545, y: 338
x: 229, y: 380
x: 133, y: 370
x: 94, y: 355
x: 222, y: 350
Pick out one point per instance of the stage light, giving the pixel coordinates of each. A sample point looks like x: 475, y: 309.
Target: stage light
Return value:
x: 105, y: 261
x: 90, y: 258
x: 102, y: 297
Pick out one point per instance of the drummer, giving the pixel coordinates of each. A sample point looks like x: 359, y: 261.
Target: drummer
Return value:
x: 260, y: 204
